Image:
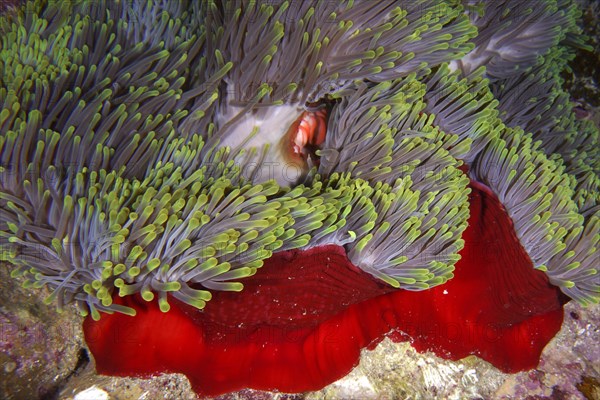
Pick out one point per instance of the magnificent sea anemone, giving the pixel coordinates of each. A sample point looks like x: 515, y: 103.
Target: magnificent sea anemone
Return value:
x: 252, y: 192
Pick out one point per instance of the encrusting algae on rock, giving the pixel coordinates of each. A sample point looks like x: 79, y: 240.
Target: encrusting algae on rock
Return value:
x: 205, y: 172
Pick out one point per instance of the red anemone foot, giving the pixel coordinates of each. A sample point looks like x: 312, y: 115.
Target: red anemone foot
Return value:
x: 302, y: 320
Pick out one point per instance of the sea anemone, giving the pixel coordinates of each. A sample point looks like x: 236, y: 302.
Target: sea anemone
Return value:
x: 199, y: 172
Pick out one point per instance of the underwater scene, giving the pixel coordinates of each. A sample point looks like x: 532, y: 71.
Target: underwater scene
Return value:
x: 325, y: 199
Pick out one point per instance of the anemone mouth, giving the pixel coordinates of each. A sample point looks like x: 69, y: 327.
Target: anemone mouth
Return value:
x: 305, y: 137
x: 279, y: 142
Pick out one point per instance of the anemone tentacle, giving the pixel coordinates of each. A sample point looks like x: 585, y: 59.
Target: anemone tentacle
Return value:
x: 133, y: 149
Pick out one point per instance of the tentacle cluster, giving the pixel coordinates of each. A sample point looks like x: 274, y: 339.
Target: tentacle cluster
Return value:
x: 133, y: 149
